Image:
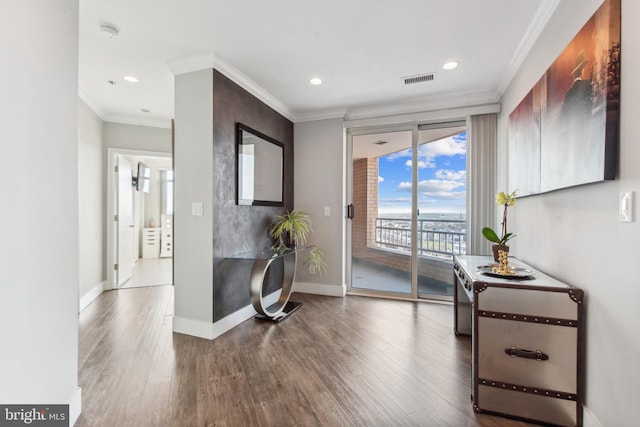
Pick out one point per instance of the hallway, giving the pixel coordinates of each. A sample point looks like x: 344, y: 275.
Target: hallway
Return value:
x: 150, y: 272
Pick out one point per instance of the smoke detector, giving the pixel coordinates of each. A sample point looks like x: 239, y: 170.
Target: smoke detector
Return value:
x: 109, y: 31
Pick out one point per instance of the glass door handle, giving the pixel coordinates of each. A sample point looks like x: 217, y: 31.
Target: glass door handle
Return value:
x: 350, y: 211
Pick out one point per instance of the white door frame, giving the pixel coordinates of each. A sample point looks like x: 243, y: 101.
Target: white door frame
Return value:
x: 112, y: 153
x: 365, y: 130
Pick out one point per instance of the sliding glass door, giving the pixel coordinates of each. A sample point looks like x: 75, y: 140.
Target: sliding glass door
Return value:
x: 407, y: 211
x: 442, y: 227
x: 381, y: 213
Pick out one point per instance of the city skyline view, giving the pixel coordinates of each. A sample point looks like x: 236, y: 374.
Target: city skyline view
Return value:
x: 441, y: 178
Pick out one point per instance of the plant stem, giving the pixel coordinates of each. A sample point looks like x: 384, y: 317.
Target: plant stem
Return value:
x: 504, y: 220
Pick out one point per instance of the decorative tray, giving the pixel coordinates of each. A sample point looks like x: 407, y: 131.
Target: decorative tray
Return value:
x: 514, y: 272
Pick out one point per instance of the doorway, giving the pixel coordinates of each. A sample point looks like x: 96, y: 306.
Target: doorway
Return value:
x: 405, y: 182
x: 140, y: 208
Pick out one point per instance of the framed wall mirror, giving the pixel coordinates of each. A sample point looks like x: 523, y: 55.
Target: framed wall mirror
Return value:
x: 259, y: 168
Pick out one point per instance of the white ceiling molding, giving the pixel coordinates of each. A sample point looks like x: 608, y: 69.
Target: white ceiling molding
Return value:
x: 252, y: 87
x: 189, y: 65
x: 424, y: 116
x: 545, y: 11
x: 127, y: 120
x: 433, y: 103
x: 82, y: 93
x: 338, y: 113
x: 137, y: 121
x: 213, y: 60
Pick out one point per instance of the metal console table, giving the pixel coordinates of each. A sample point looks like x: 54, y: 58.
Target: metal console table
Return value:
x: 263, y: 260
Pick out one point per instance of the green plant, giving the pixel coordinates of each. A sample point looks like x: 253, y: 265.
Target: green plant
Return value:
x: 315, y: 259
x: 290, y: 229
x: 506, y: 200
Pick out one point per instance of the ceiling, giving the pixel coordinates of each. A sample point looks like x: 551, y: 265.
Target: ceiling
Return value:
x: 361, y: 49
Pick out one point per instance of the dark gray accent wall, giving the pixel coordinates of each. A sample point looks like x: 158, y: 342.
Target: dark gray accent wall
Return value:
x: 238, y: 229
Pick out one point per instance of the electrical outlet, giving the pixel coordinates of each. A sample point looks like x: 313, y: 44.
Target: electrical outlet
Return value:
x: 196, y: 209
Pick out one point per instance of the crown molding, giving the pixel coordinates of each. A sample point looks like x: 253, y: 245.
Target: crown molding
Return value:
x: 539, y: 22
x: 212, y: 60
x: 252, y: 87
x: 137, y: 121
x: 432, y: 103
x: 189, y: 65
x: 426, y: 116
x: 127, y: 120
x: 82, y: 93
x: 336, y: 113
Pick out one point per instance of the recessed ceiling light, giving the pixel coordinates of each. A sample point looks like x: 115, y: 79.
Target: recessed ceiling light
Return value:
x: 315, y: 81
x: 131, y: 79
x: 109, y: 31
x: 450, y: 65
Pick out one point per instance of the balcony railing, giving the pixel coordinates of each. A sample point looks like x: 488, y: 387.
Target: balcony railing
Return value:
x: 441, y: 237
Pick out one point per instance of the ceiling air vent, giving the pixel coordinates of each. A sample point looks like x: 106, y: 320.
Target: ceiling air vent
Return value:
x: 419, y: 79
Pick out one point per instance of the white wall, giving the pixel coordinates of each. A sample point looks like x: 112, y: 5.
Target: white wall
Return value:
x: 193, y: 162
x: 135, y: 137
x: 318, y: 176
x: 39, y: 216
x: 91, y: 174
x: 575, y: 235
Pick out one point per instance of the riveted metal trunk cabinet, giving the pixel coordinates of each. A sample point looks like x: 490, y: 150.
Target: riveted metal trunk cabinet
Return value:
x: 527, y: 342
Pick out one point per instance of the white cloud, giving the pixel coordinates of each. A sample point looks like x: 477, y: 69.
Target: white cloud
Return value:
x: 438, y: 185
x: 451, y: 146
x: 422, y: 163
x: 451, y: 175
x: 436, y: 188
x: 449, y: 195
x: 404, y: 186
x: 380, y: 179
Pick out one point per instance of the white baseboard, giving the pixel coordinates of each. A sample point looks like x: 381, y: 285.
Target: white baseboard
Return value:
x: 588, y: 419
x: 320, y: 289
x: 198, y: 328
x: 75, y: 406
x: 90, y: 295
x: 234, y: 319
x: 195, y: 328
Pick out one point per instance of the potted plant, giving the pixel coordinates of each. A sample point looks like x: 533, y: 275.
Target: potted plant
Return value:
x: 505, y: 200
x: 292, y: 229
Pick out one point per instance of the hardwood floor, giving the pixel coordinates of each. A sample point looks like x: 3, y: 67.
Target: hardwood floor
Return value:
x: 351, y: 361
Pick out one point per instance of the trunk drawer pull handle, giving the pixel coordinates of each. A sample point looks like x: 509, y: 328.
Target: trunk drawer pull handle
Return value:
x: 527, y: 354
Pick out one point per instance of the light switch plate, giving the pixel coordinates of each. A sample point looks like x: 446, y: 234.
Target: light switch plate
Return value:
x: 196, y: 209
x: 626, y: 206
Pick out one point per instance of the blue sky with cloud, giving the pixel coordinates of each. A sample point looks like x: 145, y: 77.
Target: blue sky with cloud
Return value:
x: 442, y: 178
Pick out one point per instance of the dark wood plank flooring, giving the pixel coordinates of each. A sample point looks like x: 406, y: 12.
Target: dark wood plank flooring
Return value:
x: 351, y: 361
